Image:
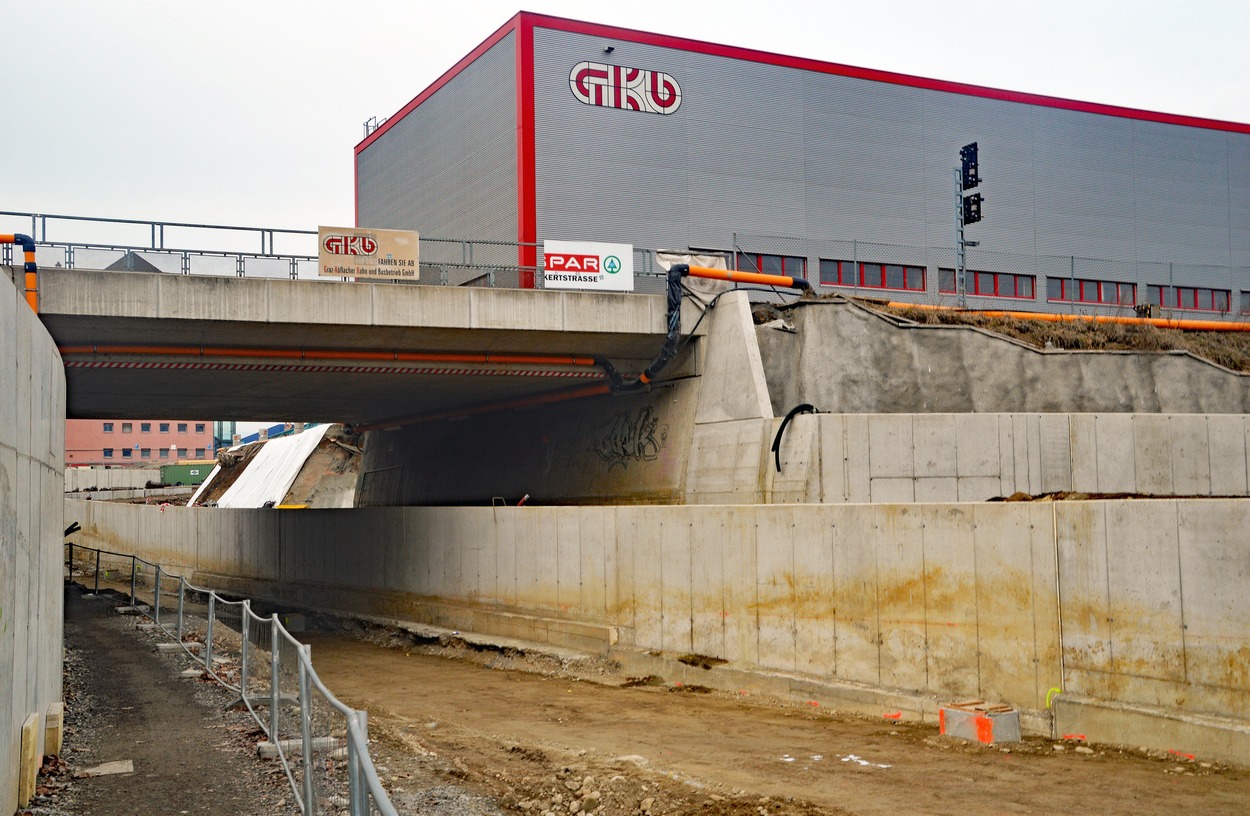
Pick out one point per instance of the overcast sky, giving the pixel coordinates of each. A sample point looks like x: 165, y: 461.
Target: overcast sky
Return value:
x: 247, y: 112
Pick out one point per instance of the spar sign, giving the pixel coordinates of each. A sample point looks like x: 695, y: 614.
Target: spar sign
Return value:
x: 586, y: 265
x: 351, y: 252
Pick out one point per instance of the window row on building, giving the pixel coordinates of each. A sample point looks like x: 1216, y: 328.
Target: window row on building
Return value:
x: 908, y: 278
x: 146, y: 427
x: 146, y: 453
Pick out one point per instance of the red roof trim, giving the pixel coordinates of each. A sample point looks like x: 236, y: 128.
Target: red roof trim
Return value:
x: 804, y: 64
x: 490, y: 42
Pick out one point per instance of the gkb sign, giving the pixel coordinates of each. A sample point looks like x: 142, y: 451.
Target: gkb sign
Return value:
x: 615, y: 86
x: 585, y: 265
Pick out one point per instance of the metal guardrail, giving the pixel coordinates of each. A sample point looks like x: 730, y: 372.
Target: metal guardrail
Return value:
x: 171, y: 247
x: 321, y: 743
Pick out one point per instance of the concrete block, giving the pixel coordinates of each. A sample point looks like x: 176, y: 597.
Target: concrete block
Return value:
x: 977, y: 721
x: 1152, y: 453
x: 675, y: 592
x: 893, y: 491
x: 943, y: 489
x: 1215, y: 567
x: 1191, y: 455
x: 54, y: 729
x: 774, y: 593
x: 1229, y: 465
x: 1144, y: 592
x: 28, y: 760
x: 1215, y: 739
x: 979, y: 488
x: 1055, y: 452
x: 950, y: 600
x: 858, y: 453
x: 901, y: 596
x: 1116, y: 453
x: 934, y: 447
x: 856, y: 536
x: 833, y: 478
x: 739, y: 612
x: 890, y: 445
x: 733, y: 384
x: 1084, y: 447
x: 976, y: 436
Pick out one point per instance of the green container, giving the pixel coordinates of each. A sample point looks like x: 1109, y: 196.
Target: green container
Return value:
x: 186, y: 473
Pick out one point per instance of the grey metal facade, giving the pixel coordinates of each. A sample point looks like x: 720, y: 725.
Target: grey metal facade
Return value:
x: 791, y: 161
x: 761, y: 151
x: 448, y: 169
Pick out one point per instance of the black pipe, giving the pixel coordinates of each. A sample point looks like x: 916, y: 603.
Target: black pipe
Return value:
x: 805, y: 408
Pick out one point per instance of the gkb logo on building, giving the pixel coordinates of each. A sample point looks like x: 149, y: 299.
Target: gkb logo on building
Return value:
x: 615, y: 86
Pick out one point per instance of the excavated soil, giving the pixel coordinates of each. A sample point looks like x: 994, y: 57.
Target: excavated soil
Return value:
x: 542, y: 735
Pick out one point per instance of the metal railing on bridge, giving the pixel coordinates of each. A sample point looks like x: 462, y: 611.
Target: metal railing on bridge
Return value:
x: 322, y: 744
x: 123, y: 244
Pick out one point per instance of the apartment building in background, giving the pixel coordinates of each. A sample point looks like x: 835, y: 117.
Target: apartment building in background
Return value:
x: 122, y: 442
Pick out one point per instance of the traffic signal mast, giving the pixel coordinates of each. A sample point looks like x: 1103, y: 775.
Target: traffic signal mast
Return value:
x: 967, y: 211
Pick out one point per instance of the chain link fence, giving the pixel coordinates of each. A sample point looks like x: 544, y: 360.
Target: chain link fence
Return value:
x: 321, y: 743
x: 998, y: 280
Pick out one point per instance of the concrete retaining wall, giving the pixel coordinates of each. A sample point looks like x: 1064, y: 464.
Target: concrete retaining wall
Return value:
x: 1130, y: 602
x: 844, y: 359
x: 968, y: 457
x: 32, y: 455
x: 89, y: 478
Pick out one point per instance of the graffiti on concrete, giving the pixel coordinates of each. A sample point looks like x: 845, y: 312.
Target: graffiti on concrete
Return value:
x: 631, y: 436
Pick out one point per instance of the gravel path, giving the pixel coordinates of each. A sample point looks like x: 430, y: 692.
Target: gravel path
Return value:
x: 124, y: 701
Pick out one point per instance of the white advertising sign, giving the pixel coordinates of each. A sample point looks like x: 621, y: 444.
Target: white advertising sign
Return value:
x: 587, y: 265
x: 351, y: 252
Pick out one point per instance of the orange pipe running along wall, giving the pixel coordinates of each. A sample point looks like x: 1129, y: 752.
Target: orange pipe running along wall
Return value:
x: 1158, y: 322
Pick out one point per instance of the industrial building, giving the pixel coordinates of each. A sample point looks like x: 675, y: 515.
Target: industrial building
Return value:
x: 554, y: 129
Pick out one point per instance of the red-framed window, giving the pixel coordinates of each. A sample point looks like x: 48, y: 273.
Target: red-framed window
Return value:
x: 1197, y: 298
x: 790, y: 265
x: 1088, y: 290
x: 837, y: 273
x: 872, y: 275
x: 990, y: 284
x: 1245, y: 302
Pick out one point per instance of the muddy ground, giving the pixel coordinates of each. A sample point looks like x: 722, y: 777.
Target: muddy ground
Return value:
x: 540, y: 735
x: 470, y: 731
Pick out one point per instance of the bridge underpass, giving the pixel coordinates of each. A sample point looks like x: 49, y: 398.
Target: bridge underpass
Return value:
x: 875, y: 501
x: 154, y: 346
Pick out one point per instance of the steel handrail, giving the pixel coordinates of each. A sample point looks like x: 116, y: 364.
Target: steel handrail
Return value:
x: 360, y: 762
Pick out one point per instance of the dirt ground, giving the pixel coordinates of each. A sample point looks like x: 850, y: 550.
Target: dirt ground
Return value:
x: 126, y: 703
x: 539, y: 735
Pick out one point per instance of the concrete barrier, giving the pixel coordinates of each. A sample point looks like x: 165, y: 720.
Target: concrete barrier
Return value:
x: 1135, y: 604
x: 32, y: 454
x: 846, y: 359
x: 967, y: 457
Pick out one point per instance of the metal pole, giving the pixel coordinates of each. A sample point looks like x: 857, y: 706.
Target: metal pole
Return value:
x: 961, y: 285
x: 275, y: 642
x: 182, y: 584
x: 156, y: 599
x: 133, y: 567
x: 305, y: 706
x: 247, y: 613
x: 97, y: 572
x: 69, y: 568
x: 208, y: 639
x: 358, y: 790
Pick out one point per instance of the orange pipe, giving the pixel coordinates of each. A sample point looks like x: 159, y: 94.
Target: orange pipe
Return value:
x: 329, y: 354
x: 1158, y: 322
x: 31, y: 268
x: 738, y: 276
x: 485, y: 408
